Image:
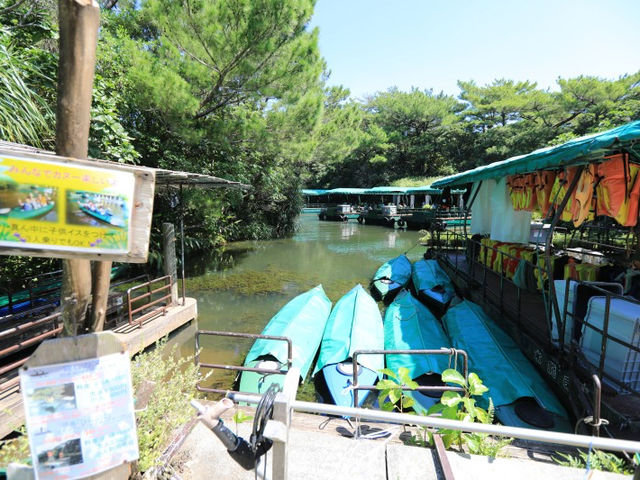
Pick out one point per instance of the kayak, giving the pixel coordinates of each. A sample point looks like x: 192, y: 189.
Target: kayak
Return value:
x: 520, y: 396
x: 432, y: 284
x: 106, y: 217
x: 20, y: 214
x: 354, y: 324
x: 302, y: 320
x: 390, y: 278
x: 409, y: 325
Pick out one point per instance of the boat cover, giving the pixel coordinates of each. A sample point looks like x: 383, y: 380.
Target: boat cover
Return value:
x: 409, y: 325
x: 397, y: 269
x: 575, y: 152
x: 496, y: 358
x: 302, y: 320
x: 354, y: 324
x: 427, y: 274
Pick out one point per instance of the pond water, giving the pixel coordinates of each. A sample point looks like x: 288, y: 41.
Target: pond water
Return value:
x: 255, y: 279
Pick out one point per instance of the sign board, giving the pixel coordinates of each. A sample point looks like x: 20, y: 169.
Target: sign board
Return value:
x: 79, y: 413
x: 60, y: 207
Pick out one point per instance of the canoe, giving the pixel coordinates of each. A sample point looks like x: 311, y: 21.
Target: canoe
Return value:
x: 520, y: 395
x: 20, y: 214
x: 390, y: 278
x: 409, y: 325
x: 355, y: 323
x: 103, y: 217
x: 432, y: 285
x: 302, y: 320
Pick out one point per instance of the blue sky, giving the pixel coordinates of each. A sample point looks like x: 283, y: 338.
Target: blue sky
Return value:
x: 371, y: 45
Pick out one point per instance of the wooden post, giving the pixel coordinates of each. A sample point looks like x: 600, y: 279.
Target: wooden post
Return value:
x: 79, y: 21
x: 170, y: 264
x: 101, y: 272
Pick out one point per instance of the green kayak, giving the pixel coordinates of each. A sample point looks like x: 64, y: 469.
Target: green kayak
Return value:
x: 409, y: 325
x: 520, y: 395
x: 354, y: 324
x: 432, y: 285
x: 302, y: 320
x: 20, y: 214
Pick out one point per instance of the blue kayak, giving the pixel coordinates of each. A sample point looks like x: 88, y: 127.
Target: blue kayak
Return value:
x: 302, y: 320
x: 520, y: 395
x: 433, y: 286
x: 409, y: 325
x: 390, y: 278
x: 354, y: 324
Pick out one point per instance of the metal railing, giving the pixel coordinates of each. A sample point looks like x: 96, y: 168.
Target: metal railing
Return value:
x: 237, y: 367
x: 160, y: 304
x: 451, y: 352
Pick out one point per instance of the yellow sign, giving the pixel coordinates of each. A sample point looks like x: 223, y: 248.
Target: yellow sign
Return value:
x: 50, y: 205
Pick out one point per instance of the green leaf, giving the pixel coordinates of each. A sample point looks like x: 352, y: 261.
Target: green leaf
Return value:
x: 407, y: 402
x: 451, y: 399
x: 394, y: 395
x: 453, y: 376
x: 403, y: 374
x: 411, y: 384
x: 385, y: 384
x: 240, y: 417
x: 476, y: 386
x: 436, y: 408
x: 450, y: 413
x: 388, y: 372
x: 387, y: 406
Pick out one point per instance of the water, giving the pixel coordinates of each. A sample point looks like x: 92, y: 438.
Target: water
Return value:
x: 255, y: 279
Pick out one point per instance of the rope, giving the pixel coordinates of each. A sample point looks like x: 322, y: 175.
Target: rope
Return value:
x: 587, y: 472
x: 264, y: 412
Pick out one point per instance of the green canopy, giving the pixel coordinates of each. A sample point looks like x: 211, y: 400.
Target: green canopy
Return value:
x: 386, y: 190
x: 424, y: 190
x: 314, y: 192
x: 575, y: 152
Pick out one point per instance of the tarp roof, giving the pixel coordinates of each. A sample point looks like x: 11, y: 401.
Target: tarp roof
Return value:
x: 575, y: 152
x: 385, y: 190
x: 314, y: 192
x: 424, y: 190
x: 346, y: 191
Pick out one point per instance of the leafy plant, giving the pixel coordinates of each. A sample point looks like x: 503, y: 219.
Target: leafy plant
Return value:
x: 15, y: 449
x: 596, y: 460
x: 391, y: 394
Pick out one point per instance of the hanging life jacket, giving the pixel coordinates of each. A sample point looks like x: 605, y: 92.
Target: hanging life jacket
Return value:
x: 582, y: 202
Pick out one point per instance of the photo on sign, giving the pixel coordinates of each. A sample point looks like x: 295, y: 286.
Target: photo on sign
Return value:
x: 50, y: 400
x: 26, y: 202
x: 96, y: 209
x: 62, y: 455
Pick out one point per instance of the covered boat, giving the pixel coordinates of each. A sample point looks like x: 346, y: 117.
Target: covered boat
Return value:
x: 302, y: 320
x: 432, y: 285
x: 520, y: 395
x: 354, y: 324
x: 390, y: 278
x: 409, y: 325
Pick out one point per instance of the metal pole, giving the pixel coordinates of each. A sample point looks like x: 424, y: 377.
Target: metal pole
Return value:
x: 182, y: 246
x: 583, y: 441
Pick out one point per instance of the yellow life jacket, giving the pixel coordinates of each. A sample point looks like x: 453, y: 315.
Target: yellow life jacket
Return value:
x: 582, y: 202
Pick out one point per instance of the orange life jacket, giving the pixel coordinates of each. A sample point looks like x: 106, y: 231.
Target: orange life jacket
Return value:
x: 560, y: 186
x: 543, y: 184
x: 582, y: 201
x: 618, y: 189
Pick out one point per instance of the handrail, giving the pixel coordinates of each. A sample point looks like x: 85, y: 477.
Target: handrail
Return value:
x: 452, y: 352
x: 150, y: 292
x: 237, y: 367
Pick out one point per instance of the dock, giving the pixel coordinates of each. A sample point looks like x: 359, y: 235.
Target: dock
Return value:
x: 134, y: 337
x: 328, y: 452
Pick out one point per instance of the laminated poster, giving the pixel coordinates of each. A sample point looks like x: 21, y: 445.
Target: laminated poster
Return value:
x: 79, y: 415
x: 59, y: 206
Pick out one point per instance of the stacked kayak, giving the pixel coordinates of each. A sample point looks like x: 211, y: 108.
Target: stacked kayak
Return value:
x: 432, y: 284
x: 302, y: 320
x: 520, y: 395
x: 354, y: 324
x: 409, y: 325
x: 390, y: 278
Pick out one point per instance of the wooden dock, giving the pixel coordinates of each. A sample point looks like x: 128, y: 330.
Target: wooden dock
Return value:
x: 135, y: 338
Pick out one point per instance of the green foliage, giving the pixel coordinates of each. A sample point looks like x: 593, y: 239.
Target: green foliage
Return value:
x: 597, y: 460
x: 175, y: 378
x: 241, y: 417
x: 391, y: 394
x: 15, y: 449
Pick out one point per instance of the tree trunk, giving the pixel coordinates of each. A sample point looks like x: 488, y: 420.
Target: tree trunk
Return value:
x: 79, y: 21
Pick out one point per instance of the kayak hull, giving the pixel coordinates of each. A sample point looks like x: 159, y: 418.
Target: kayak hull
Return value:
x: 339, y: 382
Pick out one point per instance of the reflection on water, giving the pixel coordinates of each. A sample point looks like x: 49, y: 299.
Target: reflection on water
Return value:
x: 337, y: 254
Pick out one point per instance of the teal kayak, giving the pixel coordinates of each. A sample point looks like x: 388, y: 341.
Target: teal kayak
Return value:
x: 302, y: 320
x: 520, y: 395
x: 354, y: 324
x: 432, y: 285
x: 409, y: 325
x: 105, y: 216
x: 390, y: 278
x: 19, y: 214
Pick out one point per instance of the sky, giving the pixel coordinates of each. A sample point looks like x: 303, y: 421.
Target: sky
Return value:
x: 372, y: 45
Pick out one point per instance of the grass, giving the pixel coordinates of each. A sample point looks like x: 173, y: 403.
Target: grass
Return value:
x: 414, y: 181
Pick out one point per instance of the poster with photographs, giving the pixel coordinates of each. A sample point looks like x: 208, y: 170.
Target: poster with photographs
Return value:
x: 80, y: 416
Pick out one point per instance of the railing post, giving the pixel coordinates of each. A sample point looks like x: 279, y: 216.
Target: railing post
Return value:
x: 170, y: 264
x: 278, y: 428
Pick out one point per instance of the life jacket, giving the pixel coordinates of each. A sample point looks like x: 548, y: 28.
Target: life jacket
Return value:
x: 543, y: 184
x: 582, y: 207
x: 560, y: 186
x: 521, y: 191
x: 618, y: 189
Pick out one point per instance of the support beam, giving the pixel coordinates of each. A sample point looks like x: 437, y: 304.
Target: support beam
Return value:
x: 79, y: 21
